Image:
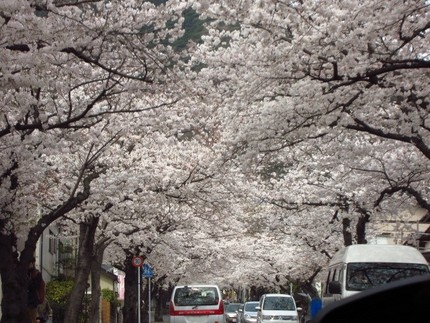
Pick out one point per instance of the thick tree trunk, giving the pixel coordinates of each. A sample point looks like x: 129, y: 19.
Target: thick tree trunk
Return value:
x: 87, y: 231
x: 346, y: 230
x: 14, y: 274
x: 159, y: 305
x: 130, y: 297
x: 144, y: 309
x: 361, y: 229
x: 94, y: 312
x: 14, y: 283
x: 162, y: 297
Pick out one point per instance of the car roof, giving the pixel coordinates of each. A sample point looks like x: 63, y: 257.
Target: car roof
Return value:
x: 197, y: 285
x: 378, y: 253
x: 278, y: 295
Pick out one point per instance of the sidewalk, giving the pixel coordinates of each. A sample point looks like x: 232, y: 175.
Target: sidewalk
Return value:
x: 165, y: 318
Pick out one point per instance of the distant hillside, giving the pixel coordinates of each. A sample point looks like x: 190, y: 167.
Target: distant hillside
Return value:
x: 194, y: 29
x: 157, y: 2
x: 193, y: 26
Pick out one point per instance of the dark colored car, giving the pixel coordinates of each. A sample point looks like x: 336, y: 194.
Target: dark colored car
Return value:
x: 230, y: 310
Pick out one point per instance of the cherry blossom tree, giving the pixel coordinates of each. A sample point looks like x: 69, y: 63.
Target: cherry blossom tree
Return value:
x: 153, y: 184
x: 334, y: 94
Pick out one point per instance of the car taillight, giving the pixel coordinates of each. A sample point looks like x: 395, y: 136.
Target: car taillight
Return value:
x: 171, y: 309
x: 221, y: 307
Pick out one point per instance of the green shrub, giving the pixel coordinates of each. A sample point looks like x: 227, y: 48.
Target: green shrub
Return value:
x: 58, y: 293
x: 110, y: 296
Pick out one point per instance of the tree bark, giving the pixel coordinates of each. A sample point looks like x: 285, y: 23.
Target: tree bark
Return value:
x: 94, y: 311
x: 346, y: 230
x: 361, y: 229
x: 158, y: 312
x: 14, y: 283
x: 144, y: 309
x: 162, y: 297
x: 87, y: 231
x: 130, y: 295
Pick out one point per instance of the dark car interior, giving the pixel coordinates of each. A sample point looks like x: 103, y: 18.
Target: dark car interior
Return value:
x: 402, y: 301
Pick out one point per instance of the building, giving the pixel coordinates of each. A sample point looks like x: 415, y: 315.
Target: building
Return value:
x: 411, y: 227
x: 109, y: 311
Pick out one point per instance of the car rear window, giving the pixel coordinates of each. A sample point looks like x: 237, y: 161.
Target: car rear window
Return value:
x: 232, y: 307
x: 192, y: 295
x: 279, y: 303
x: 361, y: 275
x: 250, y: 307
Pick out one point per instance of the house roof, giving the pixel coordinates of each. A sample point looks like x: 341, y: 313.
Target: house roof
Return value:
x: 107, y: 271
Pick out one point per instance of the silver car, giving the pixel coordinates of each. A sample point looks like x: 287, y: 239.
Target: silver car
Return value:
x: 247, y: 313
x: 277, y: 308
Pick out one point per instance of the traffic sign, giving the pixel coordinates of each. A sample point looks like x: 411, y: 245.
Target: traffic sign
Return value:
x: 137, y: 261
x: 147, y: 271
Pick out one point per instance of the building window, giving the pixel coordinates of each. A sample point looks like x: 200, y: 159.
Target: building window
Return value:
x: 52, y: 243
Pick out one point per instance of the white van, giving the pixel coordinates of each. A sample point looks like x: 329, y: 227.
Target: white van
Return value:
x: 196, y: 304
x: 359, y: 267
x: 277, y: 308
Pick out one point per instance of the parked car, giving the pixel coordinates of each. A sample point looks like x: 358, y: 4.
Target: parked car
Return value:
x: 247, y: 313
x: 230, y: 310
x: 277, y: 308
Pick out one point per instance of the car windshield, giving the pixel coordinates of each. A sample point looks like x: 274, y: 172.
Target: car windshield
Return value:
x: 194, y: 296
x: 232, y: 307
x: 278, y: 303
x: 250, y: 307
x: 361, y: 276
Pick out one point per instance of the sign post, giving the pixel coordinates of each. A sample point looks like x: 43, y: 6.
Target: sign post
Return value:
x: 147, y: 272
x: 137, y: 262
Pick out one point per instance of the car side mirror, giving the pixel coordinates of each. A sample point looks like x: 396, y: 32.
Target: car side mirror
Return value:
x: 334, y: 287
x: 405, y: 300
x: 258, y: 308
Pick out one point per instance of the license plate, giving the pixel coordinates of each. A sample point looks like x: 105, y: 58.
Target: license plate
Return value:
x: 197, y: 319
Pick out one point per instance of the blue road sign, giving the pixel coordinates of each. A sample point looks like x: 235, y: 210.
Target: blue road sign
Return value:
x: 147, y: 271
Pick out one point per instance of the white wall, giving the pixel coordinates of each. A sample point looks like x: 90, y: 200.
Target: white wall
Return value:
x: 47, y: 253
